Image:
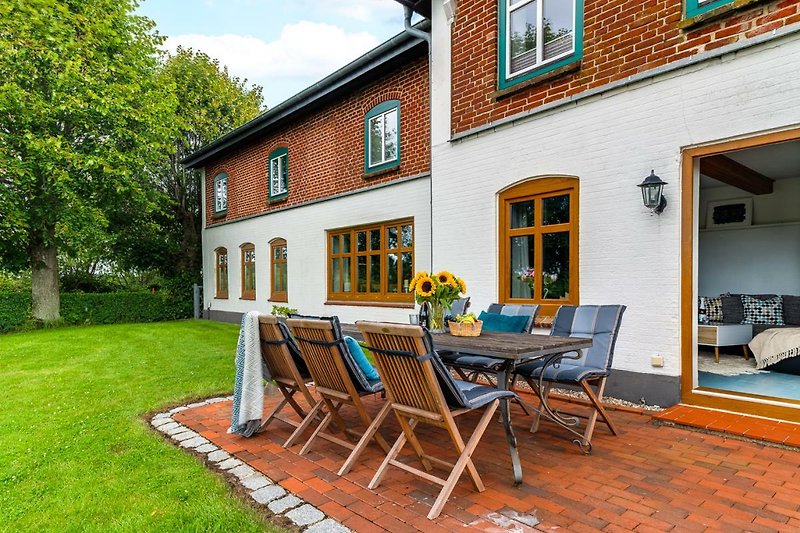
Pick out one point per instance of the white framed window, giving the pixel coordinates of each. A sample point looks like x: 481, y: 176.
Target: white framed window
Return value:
x: 221, y: 193
x: 383, y: 136
x: 278, y: 173
x: 536, y: 33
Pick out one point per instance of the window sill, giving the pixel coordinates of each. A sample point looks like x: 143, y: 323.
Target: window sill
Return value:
x: 569, y: 68
x: 219, y: 214
x: 220, y: 297
x: 381, y: 172
x: 691, y: 23
x: 277, y: 199
x: 355, y: 303
x: 250, y: 298
x: 278, y: 300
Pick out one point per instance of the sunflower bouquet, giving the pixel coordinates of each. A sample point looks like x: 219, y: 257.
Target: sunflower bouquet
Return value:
x: 439, y: 291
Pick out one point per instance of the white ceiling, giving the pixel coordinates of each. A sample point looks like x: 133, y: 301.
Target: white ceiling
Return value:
x: 777, y: 161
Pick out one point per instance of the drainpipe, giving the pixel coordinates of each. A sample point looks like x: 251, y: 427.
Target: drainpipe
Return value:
x: 411, y: 30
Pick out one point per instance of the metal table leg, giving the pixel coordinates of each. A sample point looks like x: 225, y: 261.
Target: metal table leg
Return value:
x: 503, y: 377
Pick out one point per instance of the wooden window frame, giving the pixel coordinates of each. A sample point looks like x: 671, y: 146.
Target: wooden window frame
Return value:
x: 248, y: 294
x: 222, y: 176
x: 276, y: 295
x: 282, y: 155
x: 384, y: 297
x: 537, y: 189
x: 218, y: 292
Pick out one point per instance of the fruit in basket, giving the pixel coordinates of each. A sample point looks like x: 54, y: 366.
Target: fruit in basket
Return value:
x: 469, y: 318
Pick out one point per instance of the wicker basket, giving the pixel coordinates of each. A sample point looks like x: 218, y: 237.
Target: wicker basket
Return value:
x: 464, y: 329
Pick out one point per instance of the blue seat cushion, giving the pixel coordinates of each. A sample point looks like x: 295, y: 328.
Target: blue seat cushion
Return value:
x: 361, y: 360
x: 563, y: 372
x: 467, y: 360
x: 503, y: 323
x: 479, y: 395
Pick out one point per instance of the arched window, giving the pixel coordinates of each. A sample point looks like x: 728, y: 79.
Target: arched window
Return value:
x: 248, y: 271
x: 382, y: 137
x: 539, y: 243
x: 221, y: 281
x: 278, y: 263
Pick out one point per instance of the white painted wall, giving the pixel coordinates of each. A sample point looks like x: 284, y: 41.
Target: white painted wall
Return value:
x: 758, y: 259
x: 611, y: 142
x: 304, y: 231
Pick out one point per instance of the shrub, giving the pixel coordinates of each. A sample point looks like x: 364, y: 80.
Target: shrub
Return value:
x: 15, y: 309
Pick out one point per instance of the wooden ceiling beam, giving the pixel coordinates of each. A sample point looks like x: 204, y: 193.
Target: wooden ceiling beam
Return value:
x: 723, y: 168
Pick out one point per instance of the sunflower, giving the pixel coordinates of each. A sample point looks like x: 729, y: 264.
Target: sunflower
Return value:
x: 425, y: 286
x: 462, y: 286
x: 446, y: 278
x: 415, y: 279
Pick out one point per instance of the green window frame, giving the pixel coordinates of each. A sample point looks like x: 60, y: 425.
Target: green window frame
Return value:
x: 278, y: 186
x: 698, y: 7
x: 382, y: 137
x: 221, y: 194
x: 539, y: 56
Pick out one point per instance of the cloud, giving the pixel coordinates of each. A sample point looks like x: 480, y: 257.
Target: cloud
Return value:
x: 365, y: 10
x: 304, y: 50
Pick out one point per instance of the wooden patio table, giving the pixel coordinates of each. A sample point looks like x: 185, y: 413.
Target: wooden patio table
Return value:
x: 511, y: 348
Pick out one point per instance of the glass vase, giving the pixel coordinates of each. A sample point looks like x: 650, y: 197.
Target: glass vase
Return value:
x: 437, y: 318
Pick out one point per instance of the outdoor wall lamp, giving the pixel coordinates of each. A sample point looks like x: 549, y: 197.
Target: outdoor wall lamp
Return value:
x: 652, y: 193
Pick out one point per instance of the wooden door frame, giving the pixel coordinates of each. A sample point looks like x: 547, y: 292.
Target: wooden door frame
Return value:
x: 689, y: 395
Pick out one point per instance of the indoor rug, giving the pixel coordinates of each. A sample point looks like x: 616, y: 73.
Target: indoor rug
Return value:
x: 729, y: 364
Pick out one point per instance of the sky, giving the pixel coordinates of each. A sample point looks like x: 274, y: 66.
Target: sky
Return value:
x: 282, y: 45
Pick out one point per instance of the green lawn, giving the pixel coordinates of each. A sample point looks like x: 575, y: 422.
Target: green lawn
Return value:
x: 75, y: 454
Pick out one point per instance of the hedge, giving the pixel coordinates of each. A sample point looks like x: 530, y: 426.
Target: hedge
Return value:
x: 96, y: 308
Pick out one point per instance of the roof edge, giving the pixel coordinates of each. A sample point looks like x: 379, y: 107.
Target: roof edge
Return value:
x: 380, y: 55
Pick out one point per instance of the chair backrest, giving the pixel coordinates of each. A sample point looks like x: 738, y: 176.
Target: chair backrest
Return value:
x: 460, y: 306
x: 329, y: 361
x: 410, y: 368
x: 599, y: 322
x: 275, y: 350
x: 529, y: 310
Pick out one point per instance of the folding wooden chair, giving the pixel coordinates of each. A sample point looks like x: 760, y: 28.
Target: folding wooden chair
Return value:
x: 286, y: 368
x: 421, y: 390
x: 338, y: 380
x: 587, y: 369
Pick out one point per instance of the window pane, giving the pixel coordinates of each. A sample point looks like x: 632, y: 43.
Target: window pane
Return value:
x: 361, y: 241
x: 522, y: 275
x: 346, y: 243
x: 375, y: 140
x: 391, y: 272
x: 335, y: 244
x: 276, y: 277
x: 407, y: 269
x: 522, y: 36
x: 284, y: 183
x: 555, y: 210
x: 276, y: 252
x: 223, y: 279
x: 522, y: 214
x: 375, y: 239
x: 391, y: 237
x: 274, y: 180
x: 407, y: 237
x: 390, y: 136
x: 361, y: 273
x: 284, y: 252
x: 555, y: 265
x: 375, y: 273
x: 284, y: 279
x: 336, y: 274
x: 557, y: 27
x: 249, y: 277
x: 345, y: 274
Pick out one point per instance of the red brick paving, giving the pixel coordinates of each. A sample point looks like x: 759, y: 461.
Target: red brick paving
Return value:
x: 649, y: 478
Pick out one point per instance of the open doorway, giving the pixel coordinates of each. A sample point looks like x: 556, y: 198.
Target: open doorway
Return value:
x: 745, y: 272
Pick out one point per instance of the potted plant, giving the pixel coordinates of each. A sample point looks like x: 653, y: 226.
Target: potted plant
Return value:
x: 283, y: 311
x: 439, y: 292
x: 466, y: 326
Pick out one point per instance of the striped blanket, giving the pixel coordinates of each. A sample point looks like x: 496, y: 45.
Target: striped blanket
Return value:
x: 248, y: 389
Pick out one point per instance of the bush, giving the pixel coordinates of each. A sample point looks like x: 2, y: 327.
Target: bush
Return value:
x: 102, y: 308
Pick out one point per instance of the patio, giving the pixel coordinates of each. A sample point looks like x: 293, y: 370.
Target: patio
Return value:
x: 650, y: 478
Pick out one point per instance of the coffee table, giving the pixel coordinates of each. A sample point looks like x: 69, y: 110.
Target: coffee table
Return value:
x: 717, y: 335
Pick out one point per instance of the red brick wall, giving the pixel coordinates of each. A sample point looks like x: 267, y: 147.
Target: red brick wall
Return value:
x: 326, y: 148
x: 621, y: 38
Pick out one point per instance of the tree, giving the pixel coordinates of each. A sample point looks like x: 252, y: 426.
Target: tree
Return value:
x: 81, y: 119
x: 210, y: 103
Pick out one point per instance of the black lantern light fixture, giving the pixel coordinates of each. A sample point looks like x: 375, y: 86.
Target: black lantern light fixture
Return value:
x: 652, y: 193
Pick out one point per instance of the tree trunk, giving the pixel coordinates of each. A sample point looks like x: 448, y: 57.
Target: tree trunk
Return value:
x: 44, y: 279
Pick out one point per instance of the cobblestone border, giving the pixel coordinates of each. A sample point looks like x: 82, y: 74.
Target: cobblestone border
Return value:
x: 260, y: 488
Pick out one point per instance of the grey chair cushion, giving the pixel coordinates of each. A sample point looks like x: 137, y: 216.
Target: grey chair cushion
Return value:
x: 562, y: 372
x: 791, y: 310
x: 598, y: 322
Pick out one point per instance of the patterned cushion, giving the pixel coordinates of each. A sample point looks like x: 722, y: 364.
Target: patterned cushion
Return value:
x: 714, y: 309
x: 757, y: 311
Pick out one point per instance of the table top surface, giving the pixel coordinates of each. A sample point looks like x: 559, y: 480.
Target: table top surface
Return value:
x: 501, y: 345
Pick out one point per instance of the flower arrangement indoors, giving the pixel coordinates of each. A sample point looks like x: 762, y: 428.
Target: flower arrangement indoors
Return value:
x: 439, y: 292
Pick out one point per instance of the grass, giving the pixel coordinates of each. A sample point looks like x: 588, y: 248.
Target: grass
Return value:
x: 75, y: 454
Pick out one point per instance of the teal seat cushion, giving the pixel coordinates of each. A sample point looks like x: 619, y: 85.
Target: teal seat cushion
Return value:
x: 361, y: 359
x: 503, y: 323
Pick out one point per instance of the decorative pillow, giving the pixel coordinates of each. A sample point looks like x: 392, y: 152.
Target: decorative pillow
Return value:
x: 732, y: 308
x: 757, y: 311
x: 361, y: 360
x: 791, y: 310
x: 503, y: 323
x: 714, y: 309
